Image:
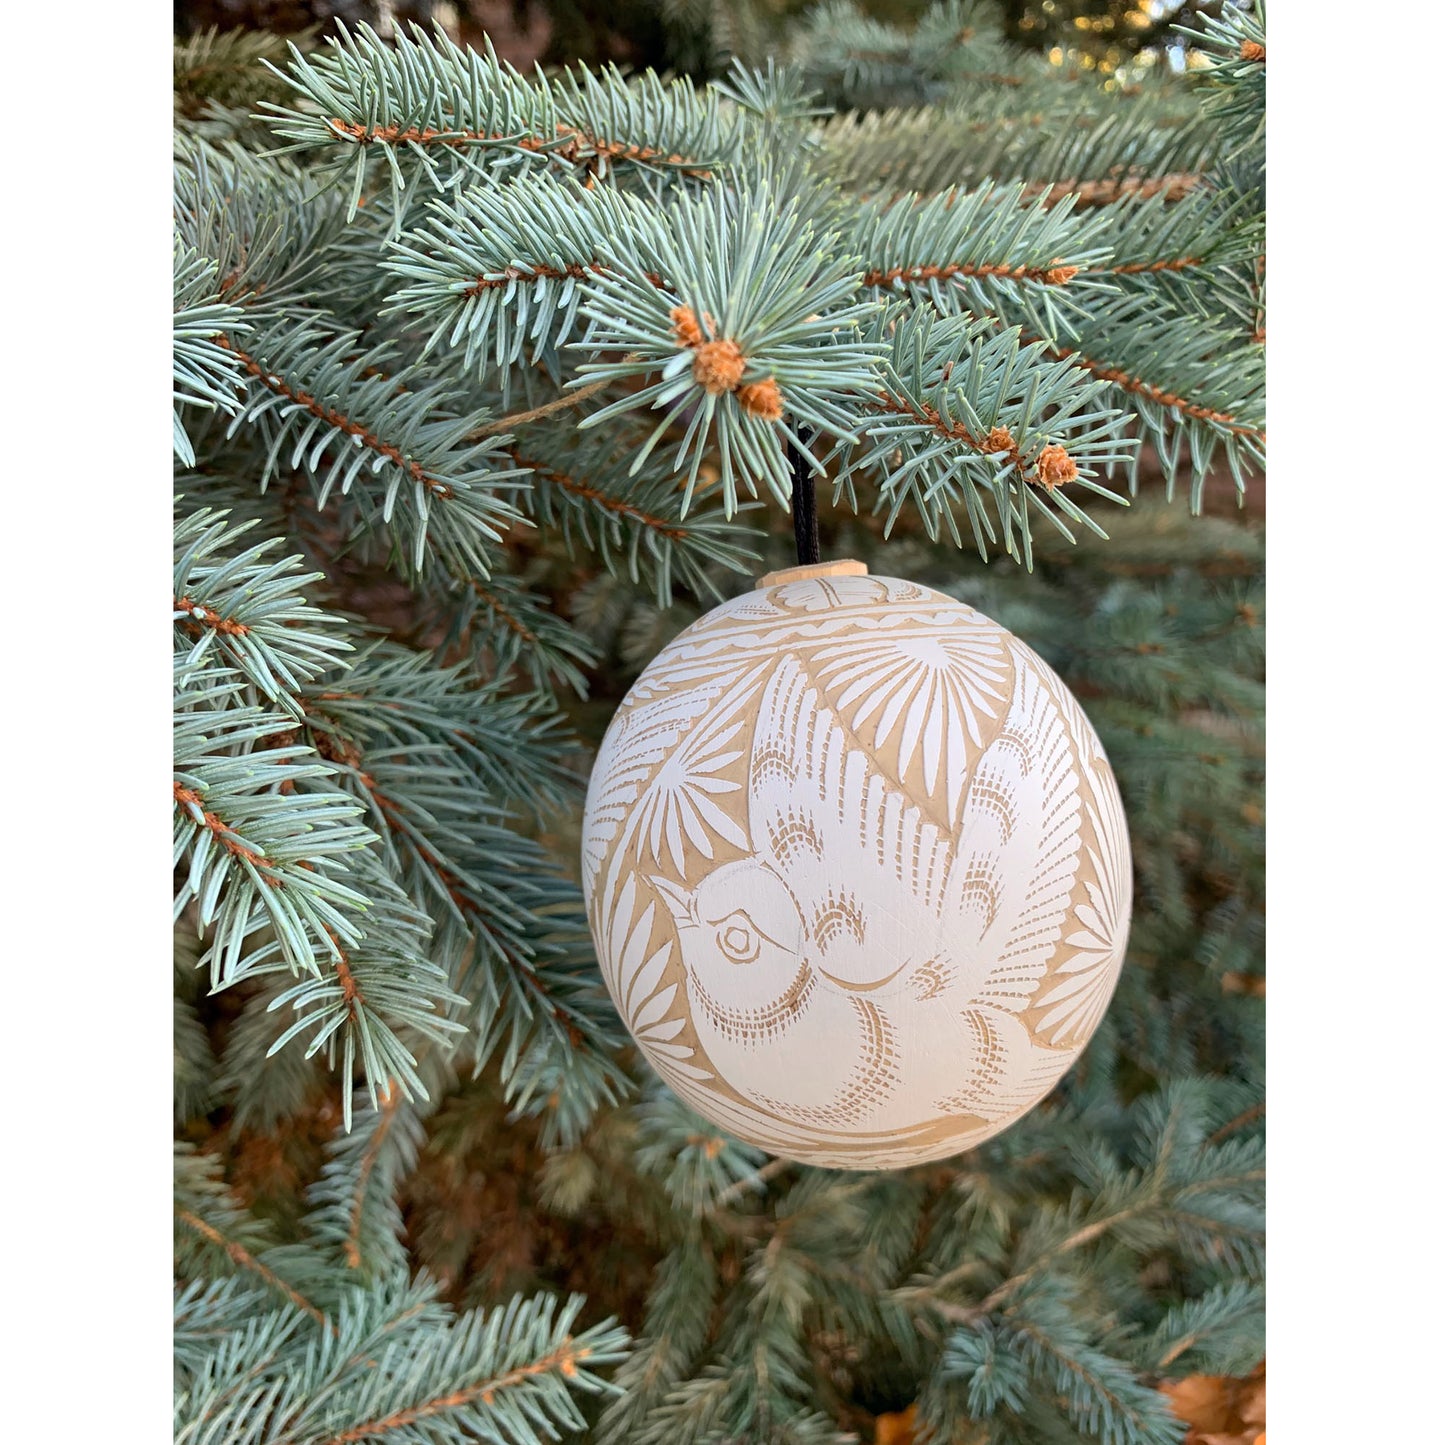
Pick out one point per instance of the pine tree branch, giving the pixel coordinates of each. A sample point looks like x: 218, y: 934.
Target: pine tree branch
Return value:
x: 272, y: 381
x: 244, y: 1259
x: 569, y: 144
x: 1051, y: 468
x: 390, y: 1102
x: 226, y: 836
x: 758, y: 1179
x: 278, y: 853
x: 1058, y: 275
x: 509, y: 619
x: 564, y: 1359
x: 970, y: 1314
x: 1140, y: 268
x: 1138, y: 386
x: 620, y: 507
x: 1092, y: 1370
x: 562, y: 403
x: 1106, y: 191
x: 1247, y: 1116
x: 197, y: 614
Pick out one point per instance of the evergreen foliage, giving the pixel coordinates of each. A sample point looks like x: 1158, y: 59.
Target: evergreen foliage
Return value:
x: 487, y: 384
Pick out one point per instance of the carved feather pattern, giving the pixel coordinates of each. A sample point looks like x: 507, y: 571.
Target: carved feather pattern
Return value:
x: 857, y: 871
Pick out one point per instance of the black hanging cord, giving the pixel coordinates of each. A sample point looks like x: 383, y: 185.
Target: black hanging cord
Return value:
x: 805, y: 509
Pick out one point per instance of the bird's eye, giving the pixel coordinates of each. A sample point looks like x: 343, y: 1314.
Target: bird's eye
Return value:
x: 737, y: 940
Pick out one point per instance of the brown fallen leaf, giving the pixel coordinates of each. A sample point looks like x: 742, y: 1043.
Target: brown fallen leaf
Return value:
x: 1220, y: 1409
x: 896, y: 1428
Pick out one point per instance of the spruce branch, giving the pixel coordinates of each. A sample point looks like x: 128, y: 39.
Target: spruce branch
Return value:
x: 243, y: 1259
x: 1101, y: 1392
x: 755, y: 338
x: 396, y: 1365
x: 992, y: 237
x: 507, y: 627
x: 354, y: 1212
x: 1235, y: 41
x: 1106, y: 149
x: 964, y: 417
x: 378, y: 1000
x: 262, y: 222
x: 193, y: 1081
x: 215, y: 1323
x: 251, y: 851
x: 1194, y: 389
x: 583, y: 487
x: 856, y: 61
x: 696, y: 1162
x: 412, y: 743
x: 1212, y: 1329
x: 247, y: 609
x: 263, y: 1087
x: 514, y: 747
x: 679, y: 1310
x: 204, y: 373
x: 498, y: 268
x: 265, y: 840
x: 346, y: 417
x: 215, y: 68
x: 436, y: 112
x: 212, y: 1225
x: 1183, y: 1192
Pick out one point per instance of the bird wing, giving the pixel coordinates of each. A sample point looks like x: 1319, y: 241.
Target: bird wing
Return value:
x: 865, y: 868
x: 1002, y: 1072
x: 1018, y: 856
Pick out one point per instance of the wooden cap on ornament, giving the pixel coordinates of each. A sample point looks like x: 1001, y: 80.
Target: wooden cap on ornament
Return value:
x: 845, y: 568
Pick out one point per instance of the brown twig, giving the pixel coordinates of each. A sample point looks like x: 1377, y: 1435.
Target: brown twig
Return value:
x: 570, y: 144
x: 191, y: 801
x: 1054, y: 274
x: 1255, y: 1111
x: 1140, y: 387
x: 244, y: 1259
x: 609, y: 503
x: 368, y: 1163
x: 510, y: 620
x: 273, y: 382
x: 1102, y: 192
x: 967, y: 1314
x: 548, y: 408
x: 563, y: 1358
x: 1051, y: 468
x: 573, y: 269
x: 226, y: 626
x: 759, y: 1176
x: 1183, y: 263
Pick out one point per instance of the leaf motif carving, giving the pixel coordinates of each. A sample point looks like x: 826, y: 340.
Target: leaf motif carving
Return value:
x: 637, y: 976
x: 923, y: 698
x: 1074, y: 999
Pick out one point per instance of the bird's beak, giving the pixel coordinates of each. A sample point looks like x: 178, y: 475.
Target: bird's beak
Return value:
x: 680, y: 903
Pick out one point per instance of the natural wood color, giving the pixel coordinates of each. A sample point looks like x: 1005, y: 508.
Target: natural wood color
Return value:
x: 842, y: 568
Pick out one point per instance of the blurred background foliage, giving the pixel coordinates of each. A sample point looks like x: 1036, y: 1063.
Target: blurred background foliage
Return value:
x: 699, y: 36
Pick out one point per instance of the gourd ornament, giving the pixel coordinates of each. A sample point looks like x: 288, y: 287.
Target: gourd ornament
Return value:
x: 856, y: 869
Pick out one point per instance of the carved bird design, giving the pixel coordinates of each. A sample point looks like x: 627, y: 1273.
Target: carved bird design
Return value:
x: 863, y: 969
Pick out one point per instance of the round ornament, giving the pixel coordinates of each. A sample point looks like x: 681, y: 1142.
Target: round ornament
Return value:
x: 856, y: 869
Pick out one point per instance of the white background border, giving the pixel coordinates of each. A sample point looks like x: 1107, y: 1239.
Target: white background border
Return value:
x: 1355, y: 682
